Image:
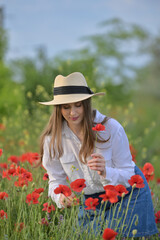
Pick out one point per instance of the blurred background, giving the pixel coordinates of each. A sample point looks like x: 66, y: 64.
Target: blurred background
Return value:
x: 115, y: 44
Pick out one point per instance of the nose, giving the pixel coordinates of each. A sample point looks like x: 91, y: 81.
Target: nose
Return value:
x: 72, y: 111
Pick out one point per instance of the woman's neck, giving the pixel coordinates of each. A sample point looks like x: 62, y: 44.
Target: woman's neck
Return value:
x: 78, y: 131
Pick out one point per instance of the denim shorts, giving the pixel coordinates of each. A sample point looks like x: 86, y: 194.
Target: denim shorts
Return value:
x: 134, y: 212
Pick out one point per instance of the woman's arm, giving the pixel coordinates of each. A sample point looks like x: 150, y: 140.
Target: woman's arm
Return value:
x: 55, y: 172
x: 117, y: 167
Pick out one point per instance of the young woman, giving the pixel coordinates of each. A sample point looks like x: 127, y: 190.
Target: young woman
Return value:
x: 70, y: 148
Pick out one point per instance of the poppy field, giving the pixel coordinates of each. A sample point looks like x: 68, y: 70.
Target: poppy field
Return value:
x: 26, y: 211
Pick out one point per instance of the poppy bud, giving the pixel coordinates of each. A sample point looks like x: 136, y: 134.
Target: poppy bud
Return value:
x: 134, y: 232
x: 123, y: 195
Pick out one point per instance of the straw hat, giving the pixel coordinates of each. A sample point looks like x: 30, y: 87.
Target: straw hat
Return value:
x: 69, y: 89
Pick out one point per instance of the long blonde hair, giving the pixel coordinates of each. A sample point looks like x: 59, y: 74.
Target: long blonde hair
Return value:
x: 54, y: 129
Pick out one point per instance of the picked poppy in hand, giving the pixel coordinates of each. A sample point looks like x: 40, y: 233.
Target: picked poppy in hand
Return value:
x: 99, y: 127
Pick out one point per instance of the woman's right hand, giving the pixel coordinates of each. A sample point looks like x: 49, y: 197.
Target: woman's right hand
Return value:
x: 67, y: 201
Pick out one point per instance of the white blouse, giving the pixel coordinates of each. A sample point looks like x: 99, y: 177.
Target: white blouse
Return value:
x: 116, y: 152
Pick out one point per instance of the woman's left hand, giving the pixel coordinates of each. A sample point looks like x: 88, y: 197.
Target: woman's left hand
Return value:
x: 98, y: 164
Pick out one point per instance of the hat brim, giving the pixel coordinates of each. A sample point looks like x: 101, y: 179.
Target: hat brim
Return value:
x: 71, y: 98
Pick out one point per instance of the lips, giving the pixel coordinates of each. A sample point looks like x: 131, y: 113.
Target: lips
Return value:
x: 74, y: 118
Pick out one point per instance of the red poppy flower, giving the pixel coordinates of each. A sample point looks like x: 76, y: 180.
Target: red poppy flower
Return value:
x: 158, y: 181
x: 3, y: 195
x: 149, y: 177
x: 91, y: 203
x: 45, y: 176
x: 3, y: 165
x: 5, y: 175
x: 110, y: 195
x: 148, y: 169
x: 63, y: 189
x: 109, y: 234
x: 78, y: 185
x: 48, y: 208
x: 38, y: 190
x: 121, y: 190
x: 44, y: 222
x: 11, y: 171
x: 19, y: 226
x: 32, y: 198
x: 99, y: 127
x: 2, y: 126
x: 157, y: 215
x: 29, y: 157
x: 109, y: 187
x: 132, y: 149
x: 21, y: 182
x: 1, y: 151
x: 14, y: 159
x: 27, y: 176
x: 19, y: 170
x: 137, y: 181
x: 3, y: 214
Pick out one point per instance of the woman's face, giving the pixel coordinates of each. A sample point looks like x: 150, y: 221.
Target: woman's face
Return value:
x: 73, y: 113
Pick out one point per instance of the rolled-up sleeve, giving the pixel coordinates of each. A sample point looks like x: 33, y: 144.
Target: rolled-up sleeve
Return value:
x: 55, y: 172
x: 122, y: 165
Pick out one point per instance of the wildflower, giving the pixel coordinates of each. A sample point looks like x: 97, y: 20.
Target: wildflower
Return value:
x: 63, y: 189
x: 45, y: 176
x: 1, y: 151
x: 157, y: 215
x: 133, y: 152
x: 61, y: 219
x: 91, y: 203
x: 3, y: 165
x: 29, y: 157
x: 11, y: 171
x: 110, y: 195
x: 32, y: 198
x: 44, y: 222
x: 19, y: 226
x: 2, y: 126
x: 48, y: 208
x: 99, y: 127
x: 134, y: 232
x: 109, y: 187
x: 13, y: 159
x: 158, y: 181
x: 5, y: 175
x: 3, y: 195
x: 21, y: 182
x: 27, y: 176
x: 78, y: 185
x: 109, y: 234
x: 38, y: 190
x: 3, y: 214
x: 121, y: 190
x: 148, y: 171
x: 19, y: 170
x: 137, y: 181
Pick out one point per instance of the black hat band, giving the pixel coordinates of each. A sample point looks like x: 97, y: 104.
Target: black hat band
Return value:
x: 72, y: 90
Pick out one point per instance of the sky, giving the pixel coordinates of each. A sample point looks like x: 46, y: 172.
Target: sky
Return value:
x: 59, y: 25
